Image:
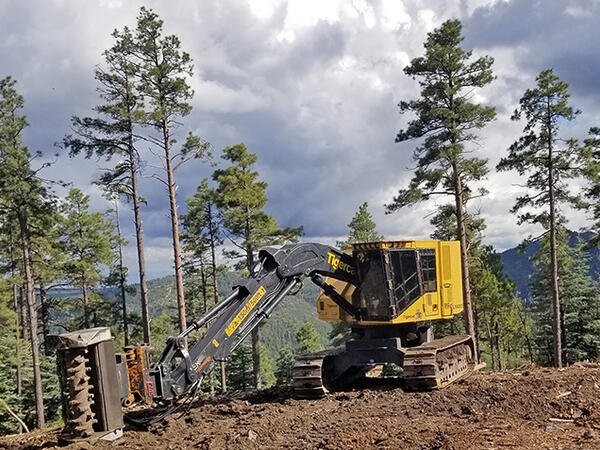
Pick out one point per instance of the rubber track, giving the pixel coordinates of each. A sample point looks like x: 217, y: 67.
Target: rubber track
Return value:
x: 432, y: 365
x: 307, y: 375
x: 438, y: 363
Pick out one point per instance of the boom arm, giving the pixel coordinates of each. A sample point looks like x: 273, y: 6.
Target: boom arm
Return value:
x: 280, y: 270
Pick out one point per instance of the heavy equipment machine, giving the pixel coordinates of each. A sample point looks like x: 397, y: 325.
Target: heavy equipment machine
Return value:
x: 388, y: 292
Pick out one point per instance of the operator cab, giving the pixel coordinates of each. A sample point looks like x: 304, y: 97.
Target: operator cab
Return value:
x: 401, y: 281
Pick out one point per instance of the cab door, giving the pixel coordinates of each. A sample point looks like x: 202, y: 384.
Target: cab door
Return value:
x: 450, y: 278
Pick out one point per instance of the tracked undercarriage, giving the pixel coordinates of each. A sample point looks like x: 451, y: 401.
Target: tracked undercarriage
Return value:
x: 438, y: 363
x: 307, y: 375
x: 431, y: 365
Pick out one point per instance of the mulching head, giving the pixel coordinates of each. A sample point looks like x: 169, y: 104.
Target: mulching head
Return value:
x: 90, y: 386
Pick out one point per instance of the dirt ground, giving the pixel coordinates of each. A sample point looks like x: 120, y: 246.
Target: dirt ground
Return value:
x: 527, y: 408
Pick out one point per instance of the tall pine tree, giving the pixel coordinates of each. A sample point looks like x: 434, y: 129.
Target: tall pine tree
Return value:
x: 112, y: 134
x: 24, y: 202
x: 164, y: 70
x: 447, y: 119
x: 549, y: 161
x: 202, y: 236
x: 48, y: 262
x: 117, y: 276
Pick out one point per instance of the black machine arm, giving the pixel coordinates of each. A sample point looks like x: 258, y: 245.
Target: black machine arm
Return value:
x: 278, y: 272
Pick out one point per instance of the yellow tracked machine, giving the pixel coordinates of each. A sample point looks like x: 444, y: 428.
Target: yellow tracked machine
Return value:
x: 388, y: 292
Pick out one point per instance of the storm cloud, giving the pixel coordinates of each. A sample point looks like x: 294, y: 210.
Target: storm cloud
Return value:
x: 311, y: 87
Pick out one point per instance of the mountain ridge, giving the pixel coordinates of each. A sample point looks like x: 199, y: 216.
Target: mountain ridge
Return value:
x: 519, y: 267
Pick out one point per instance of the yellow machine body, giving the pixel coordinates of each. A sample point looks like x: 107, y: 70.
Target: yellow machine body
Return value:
x: 429, y: 301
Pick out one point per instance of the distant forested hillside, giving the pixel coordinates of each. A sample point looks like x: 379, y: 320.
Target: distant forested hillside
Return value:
x: 519, y: 268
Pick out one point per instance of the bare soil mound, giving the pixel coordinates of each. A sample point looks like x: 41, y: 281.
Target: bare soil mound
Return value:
x: 527, y: 408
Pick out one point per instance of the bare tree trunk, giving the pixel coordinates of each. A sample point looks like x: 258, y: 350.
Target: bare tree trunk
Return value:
x: 16, y: 304
x: 139, y: 242
x: 556, y: 328
x: 462, y: 236
x: 24, y: 312
x: 477, y: 337
x: 492, y: 354
x: 223, y: 378
x: 44, y: 310
x: 203, y: 281
x: 122, y: 278
x: 14, y: 415
x: 86, y: 312
x: 497, y: 344
x: 174, y: 229
x: 31, y: 306
x: 213, y: 256
x: 256, y: 359
x: 18, y: 347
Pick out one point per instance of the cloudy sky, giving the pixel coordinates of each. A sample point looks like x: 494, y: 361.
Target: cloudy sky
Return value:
x: 312, y: 87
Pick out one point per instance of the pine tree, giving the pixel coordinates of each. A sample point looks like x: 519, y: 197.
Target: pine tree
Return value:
x: 362, y: 228
x: 445, y: 228
x: 581, y: 308
x: 267, y: 375
x: 162, y: 327
x: 23, y: 200
x: 202, y: 235
x: 308, y: 339
x: 48, y: 267
x: 163, y: 73
x: 13, y: 342
x: 580, y: 302
x: 239, y: 369
x: 112, y: 134
x: 241, y: 198
x: 9, y: 362
x: 550, y: 162
x: 590, y: 156
x: 446, y: 121
x: 283, y: 365
x: 86, y: 240
x: 501, y: 327
x: 117, y: 276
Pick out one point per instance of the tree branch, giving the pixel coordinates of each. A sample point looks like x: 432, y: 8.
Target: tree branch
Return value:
x: 13, y: 414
